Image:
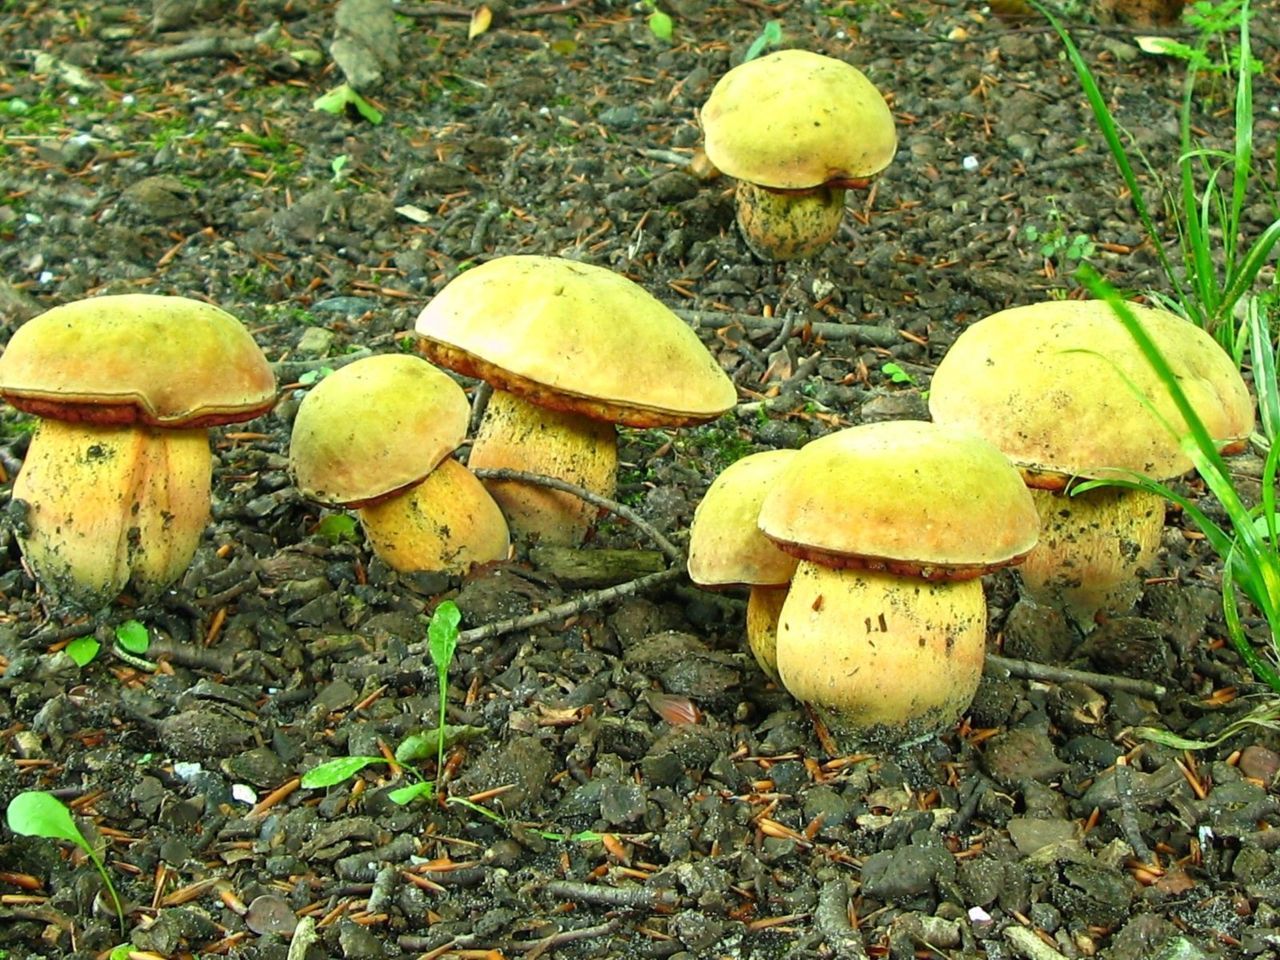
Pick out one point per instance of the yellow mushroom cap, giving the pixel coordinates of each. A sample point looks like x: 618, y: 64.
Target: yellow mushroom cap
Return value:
x: 577, y: 337
x: 725, y: 542
x: 137, y: 358
x: 796, y: 119
x: 906, y: 495
x: 374, y: 427
x: 1062, y: 388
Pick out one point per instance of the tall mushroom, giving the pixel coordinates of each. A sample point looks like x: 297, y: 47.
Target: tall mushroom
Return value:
x: 795, y: 129
x: 117, y: 478
x: 884, y: 626
x: 1062, y: 389
x: 376, y: 437
x: 726, y: 547
x: 571, y: 350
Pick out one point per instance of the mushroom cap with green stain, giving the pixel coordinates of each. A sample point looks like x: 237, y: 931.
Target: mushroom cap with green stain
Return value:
x: 906, y: 496
x: 796, y: 119
x: 725, y: 543
x: 1062, y: 388
x: 576, y: 337
x: 137, y: 358
x: 375, y: 427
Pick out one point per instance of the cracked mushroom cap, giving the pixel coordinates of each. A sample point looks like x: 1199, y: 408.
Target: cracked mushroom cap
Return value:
x: 725, y: 543
x: 906, y: 496
x: 137, y: 358
x: 575, y: 337
x: 795, y: 119
x: 375, y: 427
x: 1053, y: 384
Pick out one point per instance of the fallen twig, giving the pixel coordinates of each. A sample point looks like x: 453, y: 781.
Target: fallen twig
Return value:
x: 213, y: 45
x: 998, y: 666
x: 635, y: 898
x: 864, y: 333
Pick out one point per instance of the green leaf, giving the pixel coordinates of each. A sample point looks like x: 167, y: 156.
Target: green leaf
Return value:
x: 336, y: 771
x: 1168, y: 739
x: 770, y: 36
x: 337, y: 528
x: 133, y: 636
x: 121, y: 952
x: 36, y: 814
x: 342, y: 96
x: 661, y: 25
x: 82, y: 650
x: 442, y: 634
x: 407, y: 794
x: 424, y: 745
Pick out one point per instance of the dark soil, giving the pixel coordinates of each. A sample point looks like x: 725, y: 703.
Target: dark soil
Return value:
x: 655, y: 795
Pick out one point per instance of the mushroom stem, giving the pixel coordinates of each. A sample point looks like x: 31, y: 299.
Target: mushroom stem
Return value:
x: 764, y: 606
x: 1091, y: 547
x: 517, y: 434
x: 791, y: 224
x: 110, y: 504
x: 445, y: 523
x: 881, y: 658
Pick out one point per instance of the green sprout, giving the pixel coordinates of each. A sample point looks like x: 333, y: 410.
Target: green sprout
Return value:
x: 337, y: 528
x: 442, y: 641
x: 37, y: 814
x: 770, y: 36
x: 133, y: 637
x: 82, y: 650
x: 337, y: 100
x: 896, y: 374
x: 660, y: 23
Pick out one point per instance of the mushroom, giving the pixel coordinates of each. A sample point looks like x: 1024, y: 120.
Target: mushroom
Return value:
x: 726, y: 547
x: 376, y: 437
x: 117, y: 477
x: 883, y: 629
x: 1064, y: 391
x: 795, y: 129
x: 571, y: 350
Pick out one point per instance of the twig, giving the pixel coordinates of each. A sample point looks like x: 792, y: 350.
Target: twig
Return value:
x: 832, y: 920
x: 637, y: 898
x: 998, y: 666
x: 864, y: 333
x: 672, y: 552
x: 560, y: 611
x: 1026, y: 944
x: 1129, y: 811
x: 290, y: 370
x: 540, y: 946
x: 215, y: 45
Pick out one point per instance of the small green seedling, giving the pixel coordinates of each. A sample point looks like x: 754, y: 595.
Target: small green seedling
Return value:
x: 133, y: 637
x: 83, y: 649
x: 311, y: 377
x: 416, y: 747
x: 660, y: 23
x: 582, y: 836
x: 337, y: 100
x: 442, y: 641
x: 770, y: 36
x: 37, y: 814
x: 896, y: 374
x: 338, y: 165
x: 338, y: 528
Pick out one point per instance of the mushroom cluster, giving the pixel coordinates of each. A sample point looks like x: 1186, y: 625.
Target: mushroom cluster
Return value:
x: 1063, y: 390
x: 571, y: 350
x: 117, y: 477
x: 795, y: 129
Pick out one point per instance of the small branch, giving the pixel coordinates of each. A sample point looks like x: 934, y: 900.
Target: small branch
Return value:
x: 863, y: 333
x: 636, y: 898
x: 832, y: 920
x: 672, y: 552
x: 289, y: 371
x: 997, y: 666
x: 537, y: 948
x: 215, y: 45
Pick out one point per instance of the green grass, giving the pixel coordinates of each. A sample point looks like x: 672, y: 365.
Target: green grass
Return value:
x: 1216, y: 266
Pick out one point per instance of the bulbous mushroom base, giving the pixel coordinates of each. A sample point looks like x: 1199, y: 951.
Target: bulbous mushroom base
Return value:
x: 788, y: 225
x: 518, y: 435
x: 1091, y: 548
x: 764, y: 606
x: 112, y: 505
x: 881, y: 658
x: 445, y: 524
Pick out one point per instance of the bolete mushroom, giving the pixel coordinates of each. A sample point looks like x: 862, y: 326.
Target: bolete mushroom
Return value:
x: 726, y: 547
x: 1062, y: 389
x: 795, y: 129
x: 376, y: 437
x: 117, y: 477
x: 571, y: 350
x: 884, y: 626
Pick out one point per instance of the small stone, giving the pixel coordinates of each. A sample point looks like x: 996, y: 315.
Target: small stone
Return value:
x: 1260, y: 763
x: 1023, y: 753
x: 270, y: 914
x: 1030, y: 834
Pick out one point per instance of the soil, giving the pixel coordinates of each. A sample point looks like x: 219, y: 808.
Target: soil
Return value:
x: 649, y: 793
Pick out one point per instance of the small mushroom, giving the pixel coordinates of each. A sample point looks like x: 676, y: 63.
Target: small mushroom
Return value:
x: 883, y: 629
x: 376, y: 437
x: 726, y: 547
x: 795, y: 129
x: 117, y: 477
x: 571, y: 350
x: 1062, y: 389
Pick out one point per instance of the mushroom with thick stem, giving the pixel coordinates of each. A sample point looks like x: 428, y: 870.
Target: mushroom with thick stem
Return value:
x: 571, y: 350
x: 1062, y: 389
x: 796, y: 129
x: 726, y: 547
x: 883, y: 629
x: 376, y: 437
x: 117, y: 477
